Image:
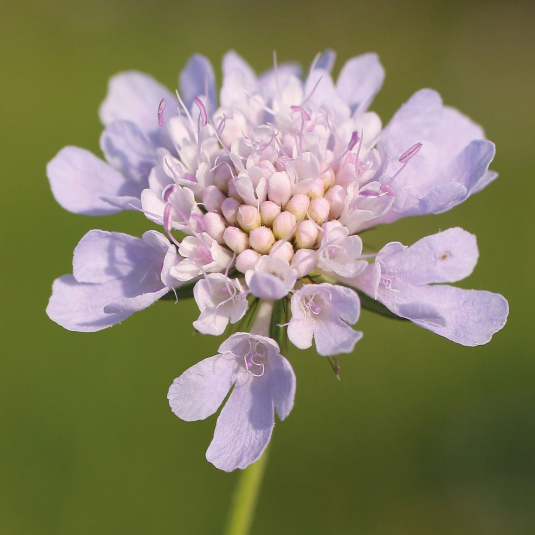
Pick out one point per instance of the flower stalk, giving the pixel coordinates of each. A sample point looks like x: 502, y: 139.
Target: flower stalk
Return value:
x: 245, y: 497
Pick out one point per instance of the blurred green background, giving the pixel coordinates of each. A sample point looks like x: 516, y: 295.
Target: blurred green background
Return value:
x: 421, y: 436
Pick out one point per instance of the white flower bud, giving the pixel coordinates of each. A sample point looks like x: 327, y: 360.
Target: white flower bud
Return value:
x: 246, y: 260
x: 212, y: 198
x: 268, y: 212
x: 319, y: 210
x: 306, y: 234
x: 229, y: 209
x: 248, y: 217
x: 282, y: 249
x: 215, y: 226
x: 236, y: 239
x: 283, y: 226
x: 298, y: 206
x: 279, y: 188
x: 328, y: 178
x: 261, y: 239
x: 336, y: 197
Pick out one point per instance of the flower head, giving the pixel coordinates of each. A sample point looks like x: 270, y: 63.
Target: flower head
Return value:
x: 263, y: 196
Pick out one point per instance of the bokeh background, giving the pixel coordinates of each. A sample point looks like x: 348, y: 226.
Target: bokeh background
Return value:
x: 420, y: 436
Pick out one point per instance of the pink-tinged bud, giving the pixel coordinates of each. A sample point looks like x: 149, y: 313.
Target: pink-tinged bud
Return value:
x: 298, y: 206
x: 319, y: 210
x: 303, y: 262
x: 336, y: 197
x: 246, y: 260
x: 261, y: 239
x: 284, y: 225
x: 236, y: 239
x: 229, y: 209
x: 221, y: 177
x: 212, y: 199
x: 328, y: 178
x: 214, y: 226
x: 268, y: 212
x: 306, y: 235
x: 248, y: 217
x: 407, y: 155
x: 317, y: 189
x: 279, y: 188
x: 282, y: 249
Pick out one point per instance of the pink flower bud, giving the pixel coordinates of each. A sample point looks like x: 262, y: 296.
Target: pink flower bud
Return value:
x: 282, y: 249
x: 212, y: 198
x: 336, y: 197
x: 279, y: 188
x: 284, y: 225
x: 303, y: 262
x: 215, y: 226
x: 317, y: 189
x: 248, y: 217
x: 229, y: 209
x: 233, y: 192
x: 236, y: 239
x: 268, y: 212
x: 261, y: 239
x: 246, y: 260
x: 319, y: 210
x: 298, y: 206
x: 306, y: 234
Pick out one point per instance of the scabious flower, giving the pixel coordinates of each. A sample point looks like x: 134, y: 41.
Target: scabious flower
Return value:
x: 262, y: 198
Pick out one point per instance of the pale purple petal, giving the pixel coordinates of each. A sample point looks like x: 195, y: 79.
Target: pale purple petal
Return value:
x: 134, y: 96
x: 210, y: 322
x: 80, y: 307
x: 197, y: 79
x: 128, y: 150
x: 326, y: 60
x: 267, y: 286
x: 281, y: 380
x: 346, y: 303
x: 79, y: 179
x: 334, y: 337
x: 134, y: 304
x: 300, y: 332
x: 234, y: 62
x: 467, y: 317
x: 201, y: 389
x: 360, y: 80
x: 448, y: 256
x: 244, y: 426
x: 102, y: 256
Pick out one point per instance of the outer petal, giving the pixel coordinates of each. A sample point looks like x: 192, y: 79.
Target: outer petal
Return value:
x: 467, y: 317
x: 201, y: 389
x: 448, y: 256
x: 80, y: 307
x: 281, y: 380
x: 134, y: 96
x: 79, y: 179
x: 360, y: 80
x: 197, y: 79
x: 346, y: 303
x: 127, y: 149
x: 102, y: 256
x: 243, y: 428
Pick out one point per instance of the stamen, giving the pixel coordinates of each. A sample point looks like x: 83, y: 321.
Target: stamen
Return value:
x: 202, y: 110
x: 161, y: 108
x: 407, y: 155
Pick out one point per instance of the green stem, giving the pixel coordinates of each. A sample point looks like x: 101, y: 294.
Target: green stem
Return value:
x: 244, y: 501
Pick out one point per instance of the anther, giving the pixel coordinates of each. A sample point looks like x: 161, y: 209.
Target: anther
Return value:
x: 161, y: 108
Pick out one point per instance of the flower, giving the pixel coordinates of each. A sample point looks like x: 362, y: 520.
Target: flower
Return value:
x: 263, y: 196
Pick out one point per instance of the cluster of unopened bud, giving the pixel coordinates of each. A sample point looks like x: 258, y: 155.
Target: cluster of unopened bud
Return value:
x: 280, y: 225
